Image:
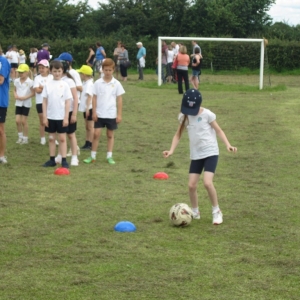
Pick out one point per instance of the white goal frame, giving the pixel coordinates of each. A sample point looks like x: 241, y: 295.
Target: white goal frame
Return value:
x: 262, y: 51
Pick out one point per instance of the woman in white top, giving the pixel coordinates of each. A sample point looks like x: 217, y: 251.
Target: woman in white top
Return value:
x: 170, y: 58
x: 23, y: 92
x: 38, y: 86
x: 204, y: 151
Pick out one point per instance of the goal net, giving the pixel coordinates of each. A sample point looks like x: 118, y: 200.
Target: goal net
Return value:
x: 227, y: 60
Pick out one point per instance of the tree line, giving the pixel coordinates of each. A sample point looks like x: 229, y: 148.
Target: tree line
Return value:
x: 57, y: 19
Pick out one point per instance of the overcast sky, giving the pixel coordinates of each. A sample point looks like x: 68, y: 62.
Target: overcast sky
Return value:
x: 287, y: 11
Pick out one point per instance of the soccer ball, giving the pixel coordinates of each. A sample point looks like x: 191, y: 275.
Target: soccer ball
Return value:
x: 181, y: 215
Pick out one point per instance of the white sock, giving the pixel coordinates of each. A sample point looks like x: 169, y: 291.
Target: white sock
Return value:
x: 20, y: 134
x: 195, y: 210
x: 74, y: 156
x: 93, y: 154
x: 43, y: 140
x: 25, y: 138
x: 215, y: 209
x: 59, y: 156
x: 109, y: 155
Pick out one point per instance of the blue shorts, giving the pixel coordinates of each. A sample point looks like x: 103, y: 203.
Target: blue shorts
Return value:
x: 195, y: 73
x: 209, y: 164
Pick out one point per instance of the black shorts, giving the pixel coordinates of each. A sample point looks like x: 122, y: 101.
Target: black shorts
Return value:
x: 14, y: 65
x: 90, y: 117
x: 3, y: 111
x: 56, y: 126
x: 39, y: 108
x: 209, y: 164
x: 31, y: 65
x: 22, y: 110
x: 72, y: 126
x: 110, y: 124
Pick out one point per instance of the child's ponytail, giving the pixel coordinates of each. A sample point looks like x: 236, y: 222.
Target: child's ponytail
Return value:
x: 182, y: 125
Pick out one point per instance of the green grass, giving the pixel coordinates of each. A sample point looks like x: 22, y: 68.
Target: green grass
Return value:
x: 57, y: 239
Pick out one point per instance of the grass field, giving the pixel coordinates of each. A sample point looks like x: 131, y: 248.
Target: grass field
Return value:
x: 57, y: 239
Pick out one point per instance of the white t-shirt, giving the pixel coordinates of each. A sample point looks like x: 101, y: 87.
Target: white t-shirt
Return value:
x: 77, y: 79
x: 203, y: 140
x: 39, y: 80
x: 22, y: 59
x: 107, y: 94
x: 8, y: 56
x: 22, y: 90
x: 57, y: 93
x: 71, y: 85
x: 176, y: 49
x: 87, y: 89
x: 32, y: 57
x: 14, y: 57
x: 170, y: 56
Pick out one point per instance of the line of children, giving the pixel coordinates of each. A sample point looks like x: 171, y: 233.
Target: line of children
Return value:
x: 23, y: 93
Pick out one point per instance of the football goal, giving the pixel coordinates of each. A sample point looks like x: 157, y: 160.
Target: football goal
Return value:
x: 226, y: 59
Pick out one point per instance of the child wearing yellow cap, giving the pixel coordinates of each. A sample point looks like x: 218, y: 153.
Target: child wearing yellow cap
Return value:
x: 23, y: 92
x: 85, y: 106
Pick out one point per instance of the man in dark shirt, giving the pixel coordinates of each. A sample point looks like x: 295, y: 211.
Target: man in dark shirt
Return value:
x: 43, y: 53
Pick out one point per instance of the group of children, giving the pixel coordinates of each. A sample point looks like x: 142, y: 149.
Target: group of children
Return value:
x: 60, y: 93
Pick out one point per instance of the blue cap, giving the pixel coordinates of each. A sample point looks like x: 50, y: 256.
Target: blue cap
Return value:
x: 125, y: 226
x: 191, y: 102
x: 66, y: 56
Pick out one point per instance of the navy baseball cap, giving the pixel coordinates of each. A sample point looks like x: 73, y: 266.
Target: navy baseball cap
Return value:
x: 66, y: 56
x: 191, y: 102
x: 46, y: 45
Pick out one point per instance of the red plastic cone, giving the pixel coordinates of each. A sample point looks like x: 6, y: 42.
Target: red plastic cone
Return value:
x: 62, y: 171
x: 161, y: 175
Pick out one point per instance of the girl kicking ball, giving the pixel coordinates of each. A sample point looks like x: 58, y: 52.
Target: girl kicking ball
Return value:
x: 204, y: 151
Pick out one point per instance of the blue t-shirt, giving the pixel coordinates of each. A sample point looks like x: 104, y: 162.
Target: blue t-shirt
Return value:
x: 4, y: 88
x: 141, y: 52
x: 99, y: 55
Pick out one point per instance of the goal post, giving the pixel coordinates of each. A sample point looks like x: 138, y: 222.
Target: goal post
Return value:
x: 241, y: 40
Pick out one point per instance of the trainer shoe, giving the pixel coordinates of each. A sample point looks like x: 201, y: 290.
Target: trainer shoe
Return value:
x: 49, y: 163
x: 3, y: 160
x: 74, y: 161
x: 89, y: 160
x: 217, y: 218
x: 19, y: 141
x: 86, y: 147
x: 58, y: 159
x: 24, y: 142
x: 43, y: 142
x: 64, y: 164
x: 196, y: 216
x: 111, y: 161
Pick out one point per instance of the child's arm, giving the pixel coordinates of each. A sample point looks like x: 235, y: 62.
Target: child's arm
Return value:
x: 39, y: 89
x: 67, y: 109
x: 174, y: 144
x: 119, y: 109
x: 15, y: 94
x: 94, y: 104
x: 45, y: 104
x: 27, y: 96
x: 75, y: 105
x: 87, y: 105
x: 220, y: 133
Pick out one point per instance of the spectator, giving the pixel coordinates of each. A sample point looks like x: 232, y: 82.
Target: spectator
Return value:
x: 91, y: 57
x: 170, y: 59
x: 141, y: 55
x: 182, y: 69
x: 164, y: 61
x: 117, y: 51
x: 43, y: 53
x: 100, y: 56
x: 123, y: 57
x: 195, y: 45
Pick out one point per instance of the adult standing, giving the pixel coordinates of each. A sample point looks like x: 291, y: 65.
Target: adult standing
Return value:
x: 123, y: 57
x: 90, y: 60
x: 164, y: 60
x: 100, y: 56
x: 117, y: 51
x: 4, y: 101
x: 195, y: 45
x: 182, y: 69
x: 141, y: 55
x: 43, y: 53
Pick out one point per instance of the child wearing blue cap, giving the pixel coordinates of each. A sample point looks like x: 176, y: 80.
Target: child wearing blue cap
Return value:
x: 204, y: 151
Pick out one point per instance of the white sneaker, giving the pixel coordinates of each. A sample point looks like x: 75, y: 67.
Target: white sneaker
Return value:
x: 74, y: 161
x: 196, y: 215
x: 19, y: 141
x: 58, y: 159
x: 69, y: 153
x: 24, y: 142
x: 3, y: 160
x: 43, y: 142
x: 217, y: 218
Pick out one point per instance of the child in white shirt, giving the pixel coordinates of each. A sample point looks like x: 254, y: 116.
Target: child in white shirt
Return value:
x: 23, y: 92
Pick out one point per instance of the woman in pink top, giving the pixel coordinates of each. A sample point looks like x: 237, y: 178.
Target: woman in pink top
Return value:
x: 182, y: 69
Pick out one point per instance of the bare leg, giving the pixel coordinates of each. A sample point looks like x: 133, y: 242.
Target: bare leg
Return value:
x: 110, y: 140
x: 193, y: 184
x: 2, y: 139
x: 209, y: 186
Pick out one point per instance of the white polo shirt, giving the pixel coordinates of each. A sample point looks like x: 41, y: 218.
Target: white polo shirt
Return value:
x: 39, y: 80
x: 32, y: 57
x: 57, y: 93
x: 203, y: 140
x: 107, y: 93
x: 72, y: 85
x: 77, y: 79
x: 22, y: 90
x: 14, y: 57
x: 87, y: 89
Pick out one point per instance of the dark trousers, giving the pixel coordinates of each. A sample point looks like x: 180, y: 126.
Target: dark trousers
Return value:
x: 141, y: 74
x: 185, y: 75
x: 123, y: 70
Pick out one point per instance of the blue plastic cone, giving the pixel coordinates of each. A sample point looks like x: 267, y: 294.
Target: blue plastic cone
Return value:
x: 125, y: 226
